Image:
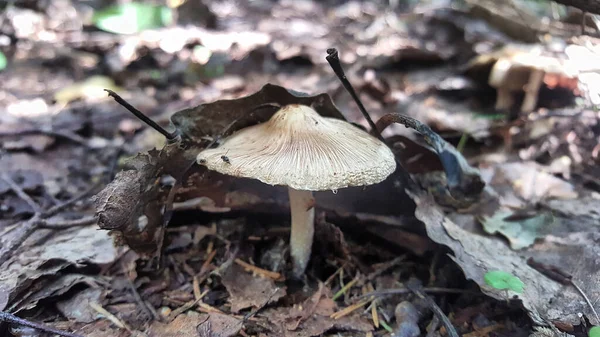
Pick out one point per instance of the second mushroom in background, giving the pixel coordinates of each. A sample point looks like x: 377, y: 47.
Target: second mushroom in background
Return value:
x: 306, y: 152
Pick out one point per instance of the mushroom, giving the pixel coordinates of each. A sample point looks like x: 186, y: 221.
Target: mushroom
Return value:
x: 306, y: 152
x: 518, y: 68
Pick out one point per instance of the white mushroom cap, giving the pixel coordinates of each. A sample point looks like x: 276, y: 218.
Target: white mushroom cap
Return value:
x: 303, y: 150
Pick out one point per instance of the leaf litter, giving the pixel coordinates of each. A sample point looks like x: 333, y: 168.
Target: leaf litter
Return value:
x: 219, y: 268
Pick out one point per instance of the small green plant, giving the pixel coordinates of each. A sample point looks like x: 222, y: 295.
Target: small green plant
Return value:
x: 3, y: 61
x: 594, y: 331
x: 130, y: 18
x: 502, y: 280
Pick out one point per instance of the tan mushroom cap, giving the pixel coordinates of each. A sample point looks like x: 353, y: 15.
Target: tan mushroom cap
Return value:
x: 301, y: 149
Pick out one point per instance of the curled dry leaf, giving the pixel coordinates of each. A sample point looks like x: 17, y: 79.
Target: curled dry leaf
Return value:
x: 76, y: 247
x: 246, y: 290
x: 184, y: 325
x: 313, y: 319
x: 220, y: 325
x: 464, y: 181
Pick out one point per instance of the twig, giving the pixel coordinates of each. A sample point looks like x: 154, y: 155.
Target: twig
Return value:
x: 433, y: 326
x: 112, y: 318
x: 433, y: 290
x: 417, y: 290
x: 66, y: 134
x: 383, y: 267
x: 348, y: 310
x: 334, y: 61
x: 345, y: 288
x: 37, y: 221
x: 141, y: 116
x: 20, y: 193
x: 58, y: 225
x: 55, y: 209
x: 266, y: 273
x: 562, y: 277
x: 138, y: 298
x: 187, y: 306
x: 10, y: 318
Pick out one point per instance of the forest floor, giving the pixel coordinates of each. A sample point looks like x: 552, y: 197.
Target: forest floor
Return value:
x: 83, y: 193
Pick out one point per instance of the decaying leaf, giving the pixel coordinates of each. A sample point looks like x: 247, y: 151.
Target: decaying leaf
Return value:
x: 75, y: 247
x: 312, y: 319
x: 220, y: 325
x: 56, y: 287
x: 531, y: 181
x: 246, y: 290
x: 464, y: 182
x: 545, y: 299
x: 520, y: 233
x: 184, y: 325
x: 78, y: 309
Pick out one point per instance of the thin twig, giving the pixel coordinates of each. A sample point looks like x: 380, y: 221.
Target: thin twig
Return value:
x: 263, y: 272
x: 587, y: 300
x: 556, y: 274
x: 66, y: 134
x: 55, y: 209
x: 65, y: 224
x: 10, y: 318
x: 141, y: 116
x: 112, y: 318
x: 433, y: 290
x: 334, y: 61
x: 37, y: 221
x: 20, y: 193
x: 417, y: 289
x: 138, y: 298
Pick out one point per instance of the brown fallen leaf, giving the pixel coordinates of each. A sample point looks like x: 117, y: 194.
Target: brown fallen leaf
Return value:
x: 78, y: 309
x: 74, y: 247
x: 184, y: 325
x: 220, y: 325
x: 246, y: 290
x: 314, y: 325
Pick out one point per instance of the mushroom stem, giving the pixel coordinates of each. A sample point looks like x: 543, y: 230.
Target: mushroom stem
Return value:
x: 303, y: 220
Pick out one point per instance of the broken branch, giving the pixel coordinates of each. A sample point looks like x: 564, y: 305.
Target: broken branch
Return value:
x: 334, y: 61
x: 10, y: 318
x: 141, y: 116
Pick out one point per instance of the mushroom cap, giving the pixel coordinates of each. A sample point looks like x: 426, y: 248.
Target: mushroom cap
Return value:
x: 301, y: 149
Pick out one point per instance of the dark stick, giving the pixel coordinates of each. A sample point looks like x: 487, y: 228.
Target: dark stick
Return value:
x: 140, y: 115
x: 334, y: 61
x: 10, y: 318
x: 417, y: 289
x: 20, y: 193
x: 432, y: 290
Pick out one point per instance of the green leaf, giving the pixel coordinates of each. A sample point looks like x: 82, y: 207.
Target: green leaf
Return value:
x: 502, y: 280
x: 130, y: 18
x: 520, y: 233
x: 594, y: 331
x: 3, y: 61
